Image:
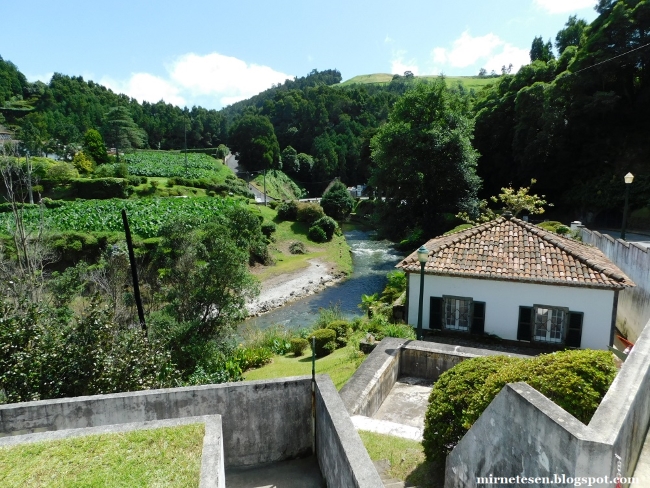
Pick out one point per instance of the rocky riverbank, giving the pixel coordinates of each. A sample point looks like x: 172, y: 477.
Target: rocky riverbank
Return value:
x: 282, y: 289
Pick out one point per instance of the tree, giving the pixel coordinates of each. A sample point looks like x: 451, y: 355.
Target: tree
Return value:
x: 94, y: 146
x: 541, y: 51
x: 253, y: 138
x: 513, y: 201
x: 571, y: 34
x: 426, y: 165
x: 290, y: 160
x: 337, y: 202
x: 121, y: 132
x: 482, y: 72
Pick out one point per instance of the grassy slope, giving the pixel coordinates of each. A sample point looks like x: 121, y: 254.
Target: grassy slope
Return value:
x: 340, y: 365
x: 336, y: 252
x: 277, y: 188
x: 468, y: 81
x: 160, y: 457
x: 406, y: 457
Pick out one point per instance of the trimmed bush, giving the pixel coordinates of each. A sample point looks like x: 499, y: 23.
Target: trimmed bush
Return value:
x: 268, y: 228
x: 317, y: 234
x: 288, y: 210
x: 100, y: 188
x: 325, y: 341
x: 328, y: 224
x: 298, y: 346
x: 297, y: 247
x: 309, y: 212
x: 342, y: 329
x: 462, y: 393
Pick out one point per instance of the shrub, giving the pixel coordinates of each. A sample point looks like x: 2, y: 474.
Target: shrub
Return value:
x: 288, y: 210
x: 298, y: 346
x: 337, y: 202
x: 325, y: 341
x: 268, y: 228
x: 328, y: 224
x: 342, y: 329
x: 297, y: 247
x: 462, y: 393
x: 403, y: 331
x: 317, y: 234
x: 252, y: 357
x: 100, y: 188
x: 309, y: 212
x: 82, y: 163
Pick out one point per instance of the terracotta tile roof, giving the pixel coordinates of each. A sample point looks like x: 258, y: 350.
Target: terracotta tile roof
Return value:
x: 511, y: 249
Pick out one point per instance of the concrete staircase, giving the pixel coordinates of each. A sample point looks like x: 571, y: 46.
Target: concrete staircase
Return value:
x: 382, y: 466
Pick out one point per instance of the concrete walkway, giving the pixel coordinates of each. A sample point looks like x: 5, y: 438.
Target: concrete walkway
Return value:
x: 297, y: 473
x: 402, y: 413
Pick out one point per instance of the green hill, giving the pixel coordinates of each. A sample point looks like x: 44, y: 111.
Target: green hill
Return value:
x: 469, y: 82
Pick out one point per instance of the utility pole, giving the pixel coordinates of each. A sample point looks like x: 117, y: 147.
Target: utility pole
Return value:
x: 134, y: 272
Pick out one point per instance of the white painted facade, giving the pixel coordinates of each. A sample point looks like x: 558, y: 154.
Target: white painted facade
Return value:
x: 503, y: 299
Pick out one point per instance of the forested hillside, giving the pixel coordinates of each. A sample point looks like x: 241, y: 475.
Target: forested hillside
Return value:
x: 575, y: 119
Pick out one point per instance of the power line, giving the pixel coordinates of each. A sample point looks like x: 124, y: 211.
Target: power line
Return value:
x: 610, y: 59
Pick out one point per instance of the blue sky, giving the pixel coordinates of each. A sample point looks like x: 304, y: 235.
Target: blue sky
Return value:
x: 212, y: 53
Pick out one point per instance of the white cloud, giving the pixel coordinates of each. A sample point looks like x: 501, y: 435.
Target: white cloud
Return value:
x: 399, y: 66
x: 488, y: 51
x: 44, y: 77
x: 211, y: 80
x: 147, y: 87
x: 564, y: 6
x: 467, y: 50
x: 224, y: 77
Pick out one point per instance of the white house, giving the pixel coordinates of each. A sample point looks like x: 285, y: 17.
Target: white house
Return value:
x: 519, y: 282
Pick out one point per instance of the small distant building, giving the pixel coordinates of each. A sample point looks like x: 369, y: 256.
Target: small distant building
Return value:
x: 515, y: 280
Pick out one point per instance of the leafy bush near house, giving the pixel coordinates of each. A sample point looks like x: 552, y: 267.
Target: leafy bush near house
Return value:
x: 252, y: 357
x: 325, y: 341
x: 575, y: 380
x: 402, y: 331
x: 342, y: 329
x: 298, y: 346
x: 554, y: 226
x: 316, y: 234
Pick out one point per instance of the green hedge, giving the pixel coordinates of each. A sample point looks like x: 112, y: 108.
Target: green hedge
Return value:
x: 325, y: 341
x: 575, y: 380
x: 100, y: 188
x: 341, y: 328
x: 298, y: 346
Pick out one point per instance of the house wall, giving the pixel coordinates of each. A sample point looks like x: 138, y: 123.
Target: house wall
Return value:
x: 634, y: 261
x: 503, y: 298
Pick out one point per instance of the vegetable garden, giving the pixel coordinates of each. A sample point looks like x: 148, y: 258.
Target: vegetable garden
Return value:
x: 166, y: 164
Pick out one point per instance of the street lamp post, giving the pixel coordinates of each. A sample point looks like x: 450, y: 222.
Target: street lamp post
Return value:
x: 629, y: 178
x: 423, y: 256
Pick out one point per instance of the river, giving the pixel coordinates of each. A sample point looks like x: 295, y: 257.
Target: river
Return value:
x: 372, y: 259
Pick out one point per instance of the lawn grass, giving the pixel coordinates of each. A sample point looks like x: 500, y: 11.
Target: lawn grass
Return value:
x: 406, y: 457
x: 340, y: 365
x: 336, y: 252
x: 169, y: 457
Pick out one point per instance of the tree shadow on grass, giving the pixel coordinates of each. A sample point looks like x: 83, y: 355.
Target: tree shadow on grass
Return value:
x: 429, y: 474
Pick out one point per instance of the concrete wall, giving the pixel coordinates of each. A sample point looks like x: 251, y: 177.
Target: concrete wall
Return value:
x: 503, y: 298
x: 263, y: 421
x: 371, y: 383
x: 634, y: 261
x: 524, y: 433
x: 342, y: 457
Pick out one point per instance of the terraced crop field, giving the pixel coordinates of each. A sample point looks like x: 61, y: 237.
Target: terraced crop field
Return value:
x: 166, y: 164
x: 146, y: 216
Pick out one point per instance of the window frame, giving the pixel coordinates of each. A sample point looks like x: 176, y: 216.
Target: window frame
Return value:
x: 565, y: 324
x: 470, y: 313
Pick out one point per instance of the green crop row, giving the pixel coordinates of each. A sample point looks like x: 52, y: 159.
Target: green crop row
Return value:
x: 146, y: 216
x: 169, y: 164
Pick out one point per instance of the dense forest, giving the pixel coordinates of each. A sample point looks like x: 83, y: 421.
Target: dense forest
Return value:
x: 575, y: 119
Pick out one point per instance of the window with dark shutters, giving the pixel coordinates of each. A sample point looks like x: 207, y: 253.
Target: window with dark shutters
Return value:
x: 435, y: 313
x: 478, y: 318
x: 574, y: 333
x: 524, y: 328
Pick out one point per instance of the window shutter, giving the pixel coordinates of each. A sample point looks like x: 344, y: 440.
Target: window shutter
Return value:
x: 525, y: 322
x: 478, y: 318
x: 574, y: 334
x: 435, y: 313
